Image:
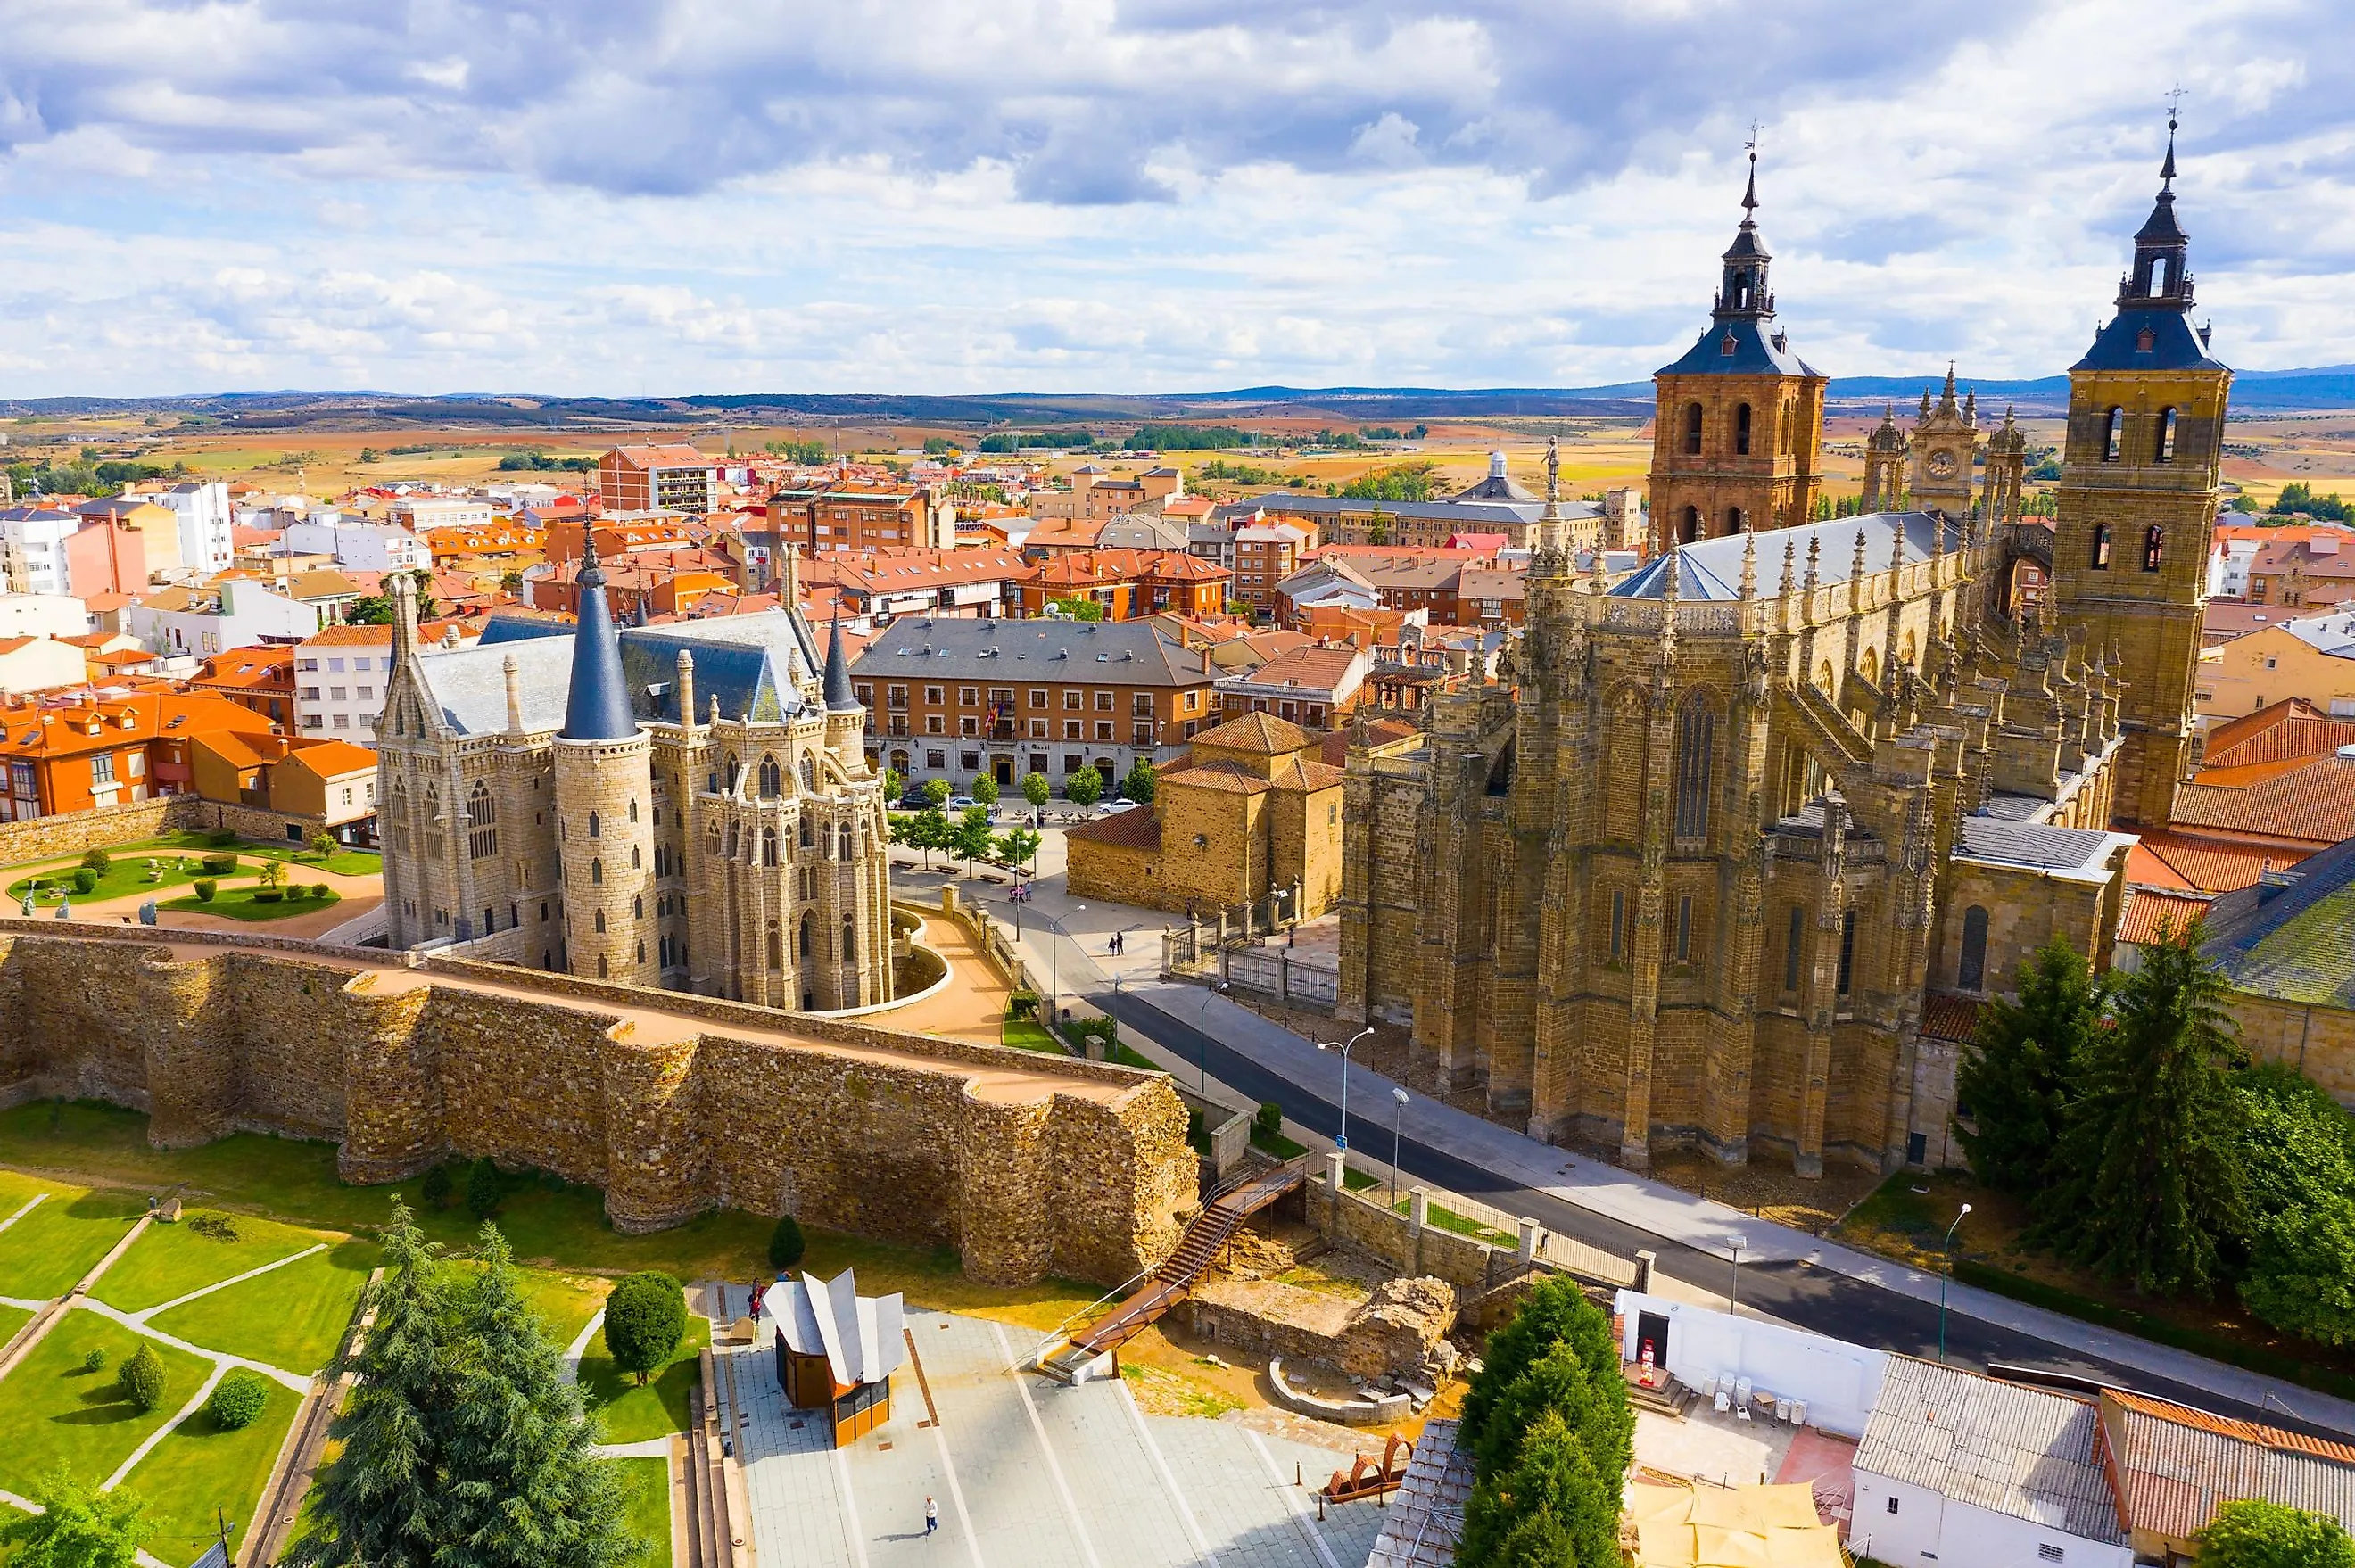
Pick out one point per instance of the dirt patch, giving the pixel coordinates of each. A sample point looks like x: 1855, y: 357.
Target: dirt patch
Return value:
x: 1768, y: 1187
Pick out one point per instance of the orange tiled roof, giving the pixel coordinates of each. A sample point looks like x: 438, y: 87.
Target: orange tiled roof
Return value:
x: 2147, y: 911
x: 2208, y: 864
x: 2308, y: 802
x: 1302, y: 774
x: 333, y: 759
x: 1948, y: 1016
x: 1138, y: 829
x: 1228, y: 778
x: 1262, y: 733
x: 1334, y: 747
x: 2291, y: 728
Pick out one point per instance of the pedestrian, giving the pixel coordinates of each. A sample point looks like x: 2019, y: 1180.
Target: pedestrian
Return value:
x: 932, y: 1516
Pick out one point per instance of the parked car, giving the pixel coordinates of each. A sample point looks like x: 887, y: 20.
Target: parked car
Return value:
x: 1113, y: 805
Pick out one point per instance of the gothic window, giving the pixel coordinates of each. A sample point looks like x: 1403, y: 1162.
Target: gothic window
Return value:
x: 596, y: 828
x: 600, y: 920
x: 805, y: 833
x: 2154, y: 546
x: 1684, y: 929
x: 433, y: 822
x: 731, y: 772
x: 768, y: 846
x: 842, y: 842
x: 1696, y: 738
x: 809, y: 934
x: 1618, y: 921
x: 2113, y: 435
x: 1848, y: 950
x: 809, y: 773
x: 642, y: 950
x: 732, y: 831
x: 849, y: 939
x: 711, y: 842
x: 1693, y: 525
x: 2101, y: 561
x: 772, y: 779
x: 1693, y: 430
x: 1971, y: 974
x: 634, y: 808
x: 482, y: 823
x: 1733, y: 521
x: 637, y: 860
x: 2164, y: 448
x: 596, y: 870
x: 639, y: 907
x: 600, y: 966
x: 1792, y: 937
x: 776, y: 947
x: 1742, y: 431
x: 400, y: 815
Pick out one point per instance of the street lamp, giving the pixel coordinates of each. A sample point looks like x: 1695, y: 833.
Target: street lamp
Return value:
x: 1342, y: 1142
x: 1202, y: 1041
x: 1398, y: 1105
x: 1946, y: 1276
x: 1733, y: 1299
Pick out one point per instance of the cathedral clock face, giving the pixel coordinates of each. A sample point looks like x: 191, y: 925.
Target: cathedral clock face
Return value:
x: 1941, y: 466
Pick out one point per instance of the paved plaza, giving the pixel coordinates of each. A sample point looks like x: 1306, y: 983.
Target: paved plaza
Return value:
x: 1026, y: 1472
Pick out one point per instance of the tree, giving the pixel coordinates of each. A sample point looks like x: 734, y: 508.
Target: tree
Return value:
x: 97, y: 860
x: 1549, y: 1506
x: 2152, y: 1187
x: 1553, y: 1310
x: 438, y: 1187
x: 322, y: 844
x: 1551, y: 1434
x: 1083, y: 788
x: 274, y: 874
x: 937, y: 790
x: 77, y: 1527
x: 1137, y: 784
x: 484, y: 1189
x: 1016, y: 847
x: 142, y: 1378
x: 971, y: 837
x: 378, y: 1503
x: 2253, y: 1533
x: 369, y: 610
x: 785, y: 1245
x: 646, y: 1317
x: 2017, y: 1073
x: 1076, y: 609
x: 236, y: 1400
x: 2299, y: 1157
x: 511, y: 585
x: 524, y: 1488
x: 894, y: 784
x: 984, y: 789
x: 929, y: 830
x: 1037, y: 791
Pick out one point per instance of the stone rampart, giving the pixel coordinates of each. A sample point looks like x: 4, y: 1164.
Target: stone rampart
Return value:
x: 671, y: 1104
x: 104, y: 826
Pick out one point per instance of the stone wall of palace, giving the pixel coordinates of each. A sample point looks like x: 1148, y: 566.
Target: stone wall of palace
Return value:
x: 672, y: 1104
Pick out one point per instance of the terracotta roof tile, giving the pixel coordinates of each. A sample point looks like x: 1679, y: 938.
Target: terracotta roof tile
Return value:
x: 1301, y: 774
x: 1948, y: 1016
x: 1260, y: 733
x: 2310, y: 803
x: 1232, y: 778
x: 1138, y: 829
x: 2208, y: 865
x: 2277, y: 732
x: 2147, y: 911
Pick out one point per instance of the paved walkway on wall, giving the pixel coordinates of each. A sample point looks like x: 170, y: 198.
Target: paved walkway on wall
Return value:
x: 971, y: 1007
x: 1025, y: 1471
x: 1787, y: 1274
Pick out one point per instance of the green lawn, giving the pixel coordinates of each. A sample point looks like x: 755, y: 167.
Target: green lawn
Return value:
x: 565, y: 1302
x: 127, y: 875
x: 1028, y: 1034
x: 1275, y: 1143
x: 348, y: 862
x: 52, y: 1411
x: 239, y: 903
x: 633, y: 1413
x: 291, y: 1317
x: 11, y: 1319
x: 646, y: 1484
x: 170, y: 1260
x: 198, y: 1469
x: 46, y: 1252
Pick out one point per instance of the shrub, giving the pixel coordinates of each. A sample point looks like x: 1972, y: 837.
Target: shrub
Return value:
x: 646, y: 1317
x: 319, y: 890
x: 485, y: 1188
x: 206, y: 888
x: 236, y: 1400
x: 438, y: 1187
x: 269, y: 895
x: 216, y: 1227
x: 1022, y: 1005
x: 786, y: 1245
x: 220, y: 838
x: 2253, y: 1533
x: 140, y: 1380
x: 322, y: 844
x: 219, y: 864
x: 1269, y: 1118
x: 97, y: 860
x: 93, y: 1360
x: 84, y: 879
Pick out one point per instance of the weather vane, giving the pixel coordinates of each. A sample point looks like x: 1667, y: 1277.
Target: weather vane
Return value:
x: 2175, y: 96
x: 1751, y: 146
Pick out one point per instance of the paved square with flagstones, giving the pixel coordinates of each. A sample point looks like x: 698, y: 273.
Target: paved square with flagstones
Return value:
x: 1026, y: 1471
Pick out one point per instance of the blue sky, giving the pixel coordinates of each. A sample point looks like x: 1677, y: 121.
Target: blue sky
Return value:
x: 618, y: 196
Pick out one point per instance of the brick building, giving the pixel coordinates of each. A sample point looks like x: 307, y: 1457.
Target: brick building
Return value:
x: 656, y: 479
x: 856, y: 515
x: 1126, y: 584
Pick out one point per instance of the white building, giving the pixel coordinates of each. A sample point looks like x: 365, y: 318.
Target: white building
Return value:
x: 420, y: 512
x: 236, y: 613
x: 42, y: 615
x: 361, y: 545
x: 340, y: 674
x: 33, y: 548
x: 1958, y: 1468
x: 1838, y: 1382
x: 207, y: 527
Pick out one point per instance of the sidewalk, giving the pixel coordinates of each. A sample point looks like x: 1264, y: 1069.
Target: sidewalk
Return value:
x: 1153, y: 1013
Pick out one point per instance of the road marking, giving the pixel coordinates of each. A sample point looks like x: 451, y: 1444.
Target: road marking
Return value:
x: 1054, y: 1469
x: 1299, y: 1509
x: 145, y: 1313
x: 31, y: 1203
x: 850, y: 1506
x: 1169, y: 1479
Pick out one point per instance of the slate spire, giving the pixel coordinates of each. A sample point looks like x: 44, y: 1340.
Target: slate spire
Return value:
x: 598, y: 705
x: 839, y: 697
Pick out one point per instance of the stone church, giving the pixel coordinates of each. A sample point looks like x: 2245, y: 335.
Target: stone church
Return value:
x: 681, y: 806
x: 1741, y: 825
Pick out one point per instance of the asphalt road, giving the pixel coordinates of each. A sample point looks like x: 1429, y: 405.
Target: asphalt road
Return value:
x: 1828, y: 1303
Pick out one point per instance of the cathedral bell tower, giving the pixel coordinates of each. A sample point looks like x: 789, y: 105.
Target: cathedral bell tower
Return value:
x: 1738, y: 422
x: 2139, y: 482
x: 1944, y: 448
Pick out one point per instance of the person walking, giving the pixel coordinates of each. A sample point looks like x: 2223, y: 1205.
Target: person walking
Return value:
x: 932, y: 1516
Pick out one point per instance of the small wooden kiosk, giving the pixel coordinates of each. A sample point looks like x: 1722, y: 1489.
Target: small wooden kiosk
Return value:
x: 836, y: 1350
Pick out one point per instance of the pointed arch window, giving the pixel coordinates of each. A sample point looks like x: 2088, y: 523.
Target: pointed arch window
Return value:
x: 805, y: 833
x: 634, y: 808
x: 596, y: 828
x: 2154, y: 546
x: 1971, y: 973
x: 639, y: 907
x: 732, y: 831
x: 772, y: 779
x: 2101, y: 561
x: 602, y: 975
x: 808, y: 936
x: 1732, y: 522
x: 599, y: 922
x: 400, y: 815
x: 2163, y: 449
x: 2113, y: 435
x: 482, y: 823
x: 1684, y: 929
x: 1693, y: 525
x: 637, y: 859
x: 433, y: 822
x: 1696, y: 739
x: 1794, y: 938
x: 642, y: 950
x: 1742, y: 431
x: 842, y: 840
x: 1693, y: 430
x: 849, y: 939
x: 809, y: 771
x: 768, y: 846
x: 776, y: 947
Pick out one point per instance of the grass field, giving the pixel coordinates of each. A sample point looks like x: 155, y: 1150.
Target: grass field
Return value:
x: 169, y: 1261
x: 52, y: 1411
x: 1028, y: 1034
x: 125, y: 877
x: 48, y: 1251
x: 198, y: 1468
x: 646, y: 1484
x: 241, y: 903
x: 291, y: 1317
x: 345, y: 862
x: 633, y: 1413
x: 11, y: 1319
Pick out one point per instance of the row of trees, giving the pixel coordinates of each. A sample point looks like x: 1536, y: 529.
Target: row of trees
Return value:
x: 2148, y: 1147
x: 967, y: 837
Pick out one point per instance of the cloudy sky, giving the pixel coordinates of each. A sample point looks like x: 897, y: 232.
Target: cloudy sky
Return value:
x: 618, y: 196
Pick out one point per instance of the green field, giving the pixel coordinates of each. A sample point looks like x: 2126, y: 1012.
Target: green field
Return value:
x: 170, y: 1260
x: 291, y: 1317
x: 52, y: 1411
x: 198, y: 1468
x: 125, y: 877
x: 46, y: 1252
x: 11, y: 1319
x: 646, y: 1484
x: 239, y: 904
x: 632, y: 1413
x: 345, y: 862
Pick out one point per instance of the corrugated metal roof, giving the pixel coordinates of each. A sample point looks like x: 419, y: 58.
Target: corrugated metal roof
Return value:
x: 1425, y: 1519
x: 2176, y: 1466
x: 2026, y: 1453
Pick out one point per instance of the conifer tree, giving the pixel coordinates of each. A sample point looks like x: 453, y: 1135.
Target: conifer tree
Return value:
x: 380, y: 1504
x: 2017, y: 1073
x: 524, y: 1489
x: 2153, y: 1186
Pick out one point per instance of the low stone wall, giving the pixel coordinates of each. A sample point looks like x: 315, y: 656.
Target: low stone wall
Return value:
x: 1413, y: 1245
x: 407, y: 1067
x: 1396, y: 1332
x: 46, y: 838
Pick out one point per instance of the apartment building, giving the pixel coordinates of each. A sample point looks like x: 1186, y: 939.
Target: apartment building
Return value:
x: 207, y: 525
x: 1310, y: 687
x: 2311, y: 657
x: 1127, y: 584
x: 108, y: 748
x: 158, y: 527
x: 235, y: 613
x: 1265, y: 554
x: 658, y: 479
x: 340, y: 675
x: 362, y: 545
x: 33, y: 548
x: 419, y: 512
x: 105, y: 555
x: 2312, y: 572
x: 857, y: 515
x: 883, y: 584
x: 259, y: 679
x: 954, y: 699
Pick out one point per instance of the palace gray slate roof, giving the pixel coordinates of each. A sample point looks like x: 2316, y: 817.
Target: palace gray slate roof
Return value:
x: 1754, y: 352
x: 1112, y: 653
x: 597, y: 706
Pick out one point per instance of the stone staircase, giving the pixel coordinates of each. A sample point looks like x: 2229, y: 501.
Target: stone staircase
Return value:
x: 1668, y: 1397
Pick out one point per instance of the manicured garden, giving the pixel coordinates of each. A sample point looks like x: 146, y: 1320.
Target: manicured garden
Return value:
x: 199, y: 1467
x: 645, y: 1487
x: 169, y: 1261
x: 56, y: 1407
x: 341, y: 860
x: 48, y: 1250
x: 257, y: 902
x: 291, y: 1317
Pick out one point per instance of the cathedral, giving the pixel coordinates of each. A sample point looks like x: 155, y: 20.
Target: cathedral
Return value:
x: 683, y: 805
x: 1738, y: 837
